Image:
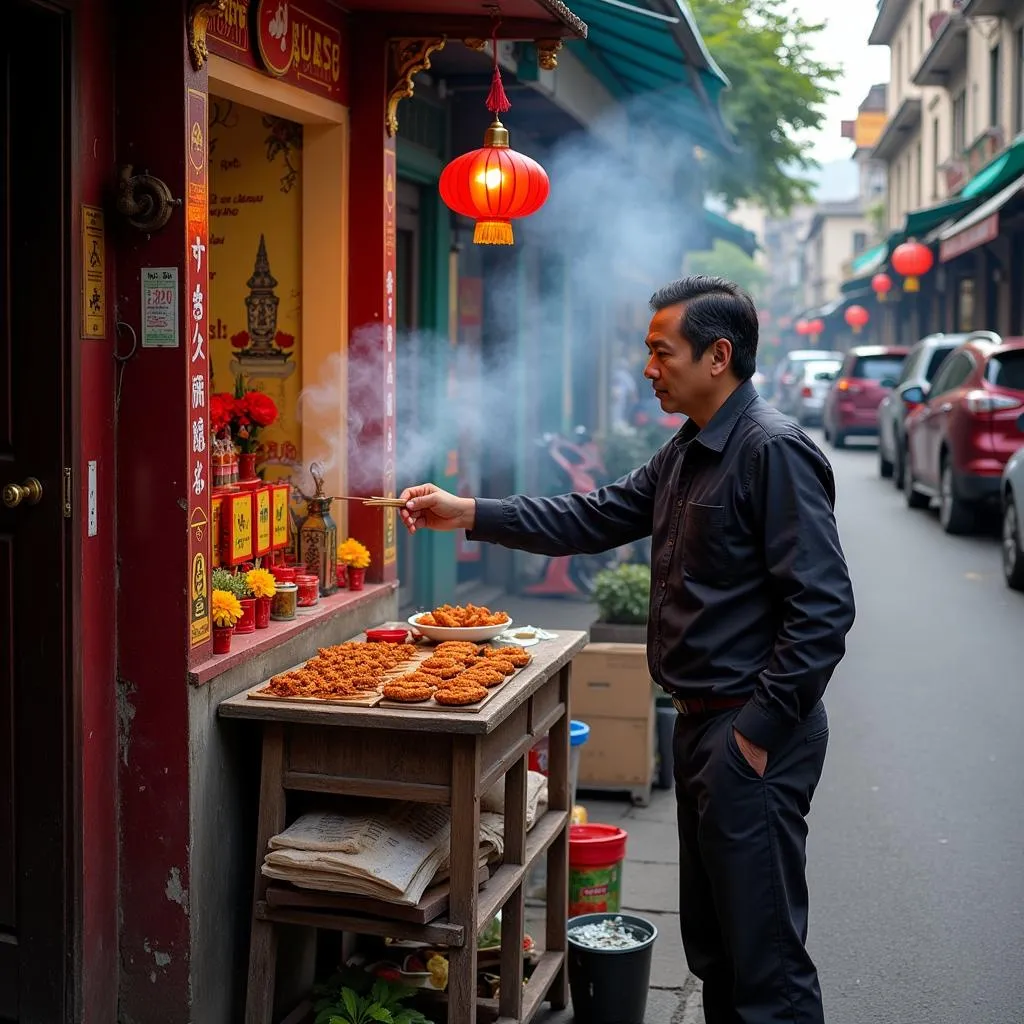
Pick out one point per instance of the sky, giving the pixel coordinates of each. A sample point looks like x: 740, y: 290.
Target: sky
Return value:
x: 844, y: 42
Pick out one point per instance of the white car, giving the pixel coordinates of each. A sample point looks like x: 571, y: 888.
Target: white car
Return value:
x: 1012, y: 494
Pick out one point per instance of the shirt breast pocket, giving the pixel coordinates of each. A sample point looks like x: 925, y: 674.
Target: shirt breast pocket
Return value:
x: 706, y: 549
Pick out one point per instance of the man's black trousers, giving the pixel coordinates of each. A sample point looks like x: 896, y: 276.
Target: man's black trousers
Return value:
x: 742, y: 859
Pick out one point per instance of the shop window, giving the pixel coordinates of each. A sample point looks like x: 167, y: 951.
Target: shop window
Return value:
x: 256, y: 268
x: 965, y: 305
x: 995, y: 86
x: 1018, y: 80
x: 959, y: 123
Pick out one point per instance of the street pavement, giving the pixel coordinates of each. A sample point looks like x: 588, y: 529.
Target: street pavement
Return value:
x: 916, y: 852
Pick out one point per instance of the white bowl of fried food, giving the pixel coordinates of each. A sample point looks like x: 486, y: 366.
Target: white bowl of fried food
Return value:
x: 461, y: 622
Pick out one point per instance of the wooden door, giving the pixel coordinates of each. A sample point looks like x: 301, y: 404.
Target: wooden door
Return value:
x: 35, y: 736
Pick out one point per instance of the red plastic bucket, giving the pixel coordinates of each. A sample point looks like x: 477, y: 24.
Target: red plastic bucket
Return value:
x: 596, y: 855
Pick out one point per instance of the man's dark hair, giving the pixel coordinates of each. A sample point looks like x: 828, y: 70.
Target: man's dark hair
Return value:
x: 715, y: 308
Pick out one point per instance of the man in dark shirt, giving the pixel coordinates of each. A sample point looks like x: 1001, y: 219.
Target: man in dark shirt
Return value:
x: 750, y: 606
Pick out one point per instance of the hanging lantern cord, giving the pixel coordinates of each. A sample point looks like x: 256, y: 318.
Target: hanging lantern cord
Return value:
x: 497, y: 100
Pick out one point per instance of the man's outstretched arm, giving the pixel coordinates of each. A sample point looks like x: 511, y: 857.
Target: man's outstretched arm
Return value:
x: 568, y: 524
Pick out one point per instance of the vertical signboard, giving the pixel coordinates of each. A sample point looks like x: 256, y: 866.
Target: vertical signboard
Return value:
x: 390, y: 272
x: 198, y: 376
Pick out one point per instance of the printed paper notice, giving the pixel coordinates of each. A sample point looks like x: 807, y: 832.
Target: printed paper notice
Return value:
x: 159, y: 307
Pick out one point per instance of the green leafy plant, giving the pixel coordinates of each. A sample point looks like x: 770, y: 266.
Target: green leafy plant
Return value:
x: 233, y: 582
x: 622, y: 594
x: 341, y: 1003
x: 625, y: 448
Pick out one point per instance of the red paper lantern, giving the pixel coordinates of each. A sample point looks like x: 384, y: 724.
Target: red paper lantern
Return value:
x: 494, y: 185
x: 802, y: 327
x: 912, y: 260
x: 815, y: 327
x: 881, y: 285
x: 856, y: 317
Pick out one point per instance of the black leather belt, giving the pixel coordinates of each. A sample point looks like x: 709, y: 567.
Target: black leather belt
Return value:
x: 698, y: 706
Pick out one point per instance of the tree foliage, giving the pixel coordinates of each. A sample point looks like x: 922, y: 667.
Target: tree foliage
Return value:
x: 777, y: 90
x: 731, y: 262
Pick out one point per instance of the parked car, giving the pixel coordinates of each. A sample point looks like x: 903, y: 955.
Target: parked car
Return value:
x: 1013, y: 509
x: 919, y: 369
x: 787, y: 375
x: 961, y: 434
x: 813, y: 380
x: 851, y: 407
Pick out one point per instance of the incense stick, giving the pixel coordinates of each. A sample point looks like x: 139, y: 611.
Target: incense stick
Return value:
x: 375, y: 502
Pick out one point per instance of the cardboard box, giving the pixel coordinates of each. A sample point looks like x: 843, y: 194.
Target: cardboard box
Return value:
x: 611, y: 680
x: 618, y: 754
x: 613, y: 692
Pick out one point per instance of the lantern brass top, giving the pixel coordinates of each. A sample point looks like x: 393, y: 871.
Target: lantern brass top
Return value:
x: 496, y: 136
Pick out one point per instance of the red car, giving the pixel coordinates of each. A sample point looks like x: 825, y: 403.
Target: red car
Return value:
x: 961, y: 434
x: 851, y: 407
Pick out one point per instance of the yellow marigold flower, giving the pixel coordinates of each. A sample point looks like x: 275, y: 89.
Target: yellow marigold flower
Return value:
x: 261, y: 583
x: 226, y: 609
x: 353, y: 554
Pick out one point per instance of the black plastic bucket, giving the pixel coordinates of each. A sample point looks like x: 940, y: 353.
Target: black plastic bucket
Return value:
x: 609, y: 986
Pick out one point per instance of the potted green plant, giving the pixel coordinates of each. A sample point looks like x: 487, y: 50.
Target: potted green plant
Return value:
x: 622, y: 596
x: 382, y: 1004
x: 236, y: 583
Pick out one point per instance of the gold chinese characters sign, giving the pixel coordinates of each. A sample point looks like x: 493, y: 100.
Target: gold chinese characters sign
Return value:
x: 94, y: 259
x: 197, y: 288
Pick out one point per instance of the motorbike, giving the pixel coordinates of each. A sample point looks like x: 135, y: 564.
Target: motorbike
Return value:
x: 578, y: 463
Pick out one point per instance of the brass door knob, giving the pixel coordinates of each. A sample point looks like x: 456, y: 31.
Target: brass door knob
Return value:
x: 30, y: 492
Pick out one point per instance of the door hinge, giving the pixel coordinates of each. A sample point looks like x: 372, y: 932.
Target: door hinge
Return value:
x: 67, y: 492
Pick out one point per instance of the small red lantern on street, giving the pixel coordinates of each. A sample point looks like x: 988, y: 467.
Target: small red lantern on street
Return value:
x: 912, y: 260
x: 802, y: 327
x: 856, y: 317
x: 494, y: 185
x: 881, y: 285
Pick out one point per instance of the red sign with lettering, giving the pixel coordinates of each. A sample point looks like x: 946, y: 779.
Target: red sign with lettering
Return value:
x: 300, y: 43
x: 198, y: 377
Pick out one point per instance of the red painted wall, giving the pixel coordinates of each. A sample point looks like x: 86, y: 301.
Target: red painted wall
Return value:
x: 372, y: 212
x: 93, y: 419
x: 152, y: 74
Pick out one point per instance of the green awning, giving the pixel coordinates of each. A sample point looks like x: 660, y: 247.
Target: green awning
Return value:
x: 997, y: 174
x: 920, y: 222
x: 871, y: 260
x: 724, y: 229
x: 635, y: 51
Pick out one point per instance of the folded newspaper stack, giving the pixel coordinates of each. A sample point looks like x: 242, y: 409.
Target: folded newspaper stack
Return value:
x: 389, y: 851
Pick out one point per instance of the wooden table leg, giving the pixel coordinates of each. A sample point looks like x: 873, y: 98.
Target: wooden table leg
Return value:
x: 259, y: 1003
x: 462, y: 899
x: 513, y: 916
x: 559, y: 795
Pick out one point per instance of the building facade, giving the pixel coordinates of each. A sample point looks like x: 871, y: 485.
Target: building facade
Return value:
x: 952, y: 147
x: 228, y: 193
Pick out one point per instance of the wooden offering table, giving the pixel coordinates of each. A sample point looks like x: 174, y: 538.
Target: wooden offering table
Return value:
x: 441, y: 757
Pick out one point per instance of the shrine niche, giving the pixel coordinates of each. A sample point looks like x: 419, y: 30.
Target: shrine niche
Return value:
x: 256, y: 268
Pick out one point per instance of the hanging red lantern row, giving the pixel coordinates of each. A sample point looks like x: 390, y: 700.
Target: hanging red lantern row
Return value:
x: 494, y: 185
x: 913, y: 260
x: 857, y: 317
x: 881, y: 285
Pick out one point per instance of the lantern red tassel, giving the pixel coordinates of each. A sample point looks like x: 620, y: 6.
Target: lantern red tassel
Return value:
x: 497, y: 99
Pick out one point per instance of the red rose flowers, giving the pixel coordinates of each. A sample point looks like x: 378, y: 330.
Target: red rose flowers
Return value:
x: 242, y: 416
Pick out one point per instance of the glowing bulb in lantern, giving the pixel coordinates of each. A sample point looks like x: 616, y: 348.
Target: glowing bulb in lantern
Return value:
x: 491, y: 178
